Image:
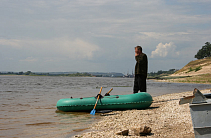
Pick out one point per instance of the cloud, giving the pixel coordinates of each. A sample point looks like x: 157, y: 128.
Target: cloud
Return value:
x: 11, y: 42
x: 164, y: 50
x: 75, y: 49
x: 51, y: 48
x: 159, y: 35
x: 194, y: 1
x: 30, y: 59
x: 96, y: 33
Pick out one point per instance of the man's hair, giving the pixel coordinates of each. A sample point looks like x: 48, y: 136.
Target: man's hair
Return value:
x: 138, y: 47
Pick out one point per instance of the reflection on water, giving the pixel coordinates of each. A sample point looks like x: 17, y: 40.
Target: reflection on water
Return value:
x: 28, y: 103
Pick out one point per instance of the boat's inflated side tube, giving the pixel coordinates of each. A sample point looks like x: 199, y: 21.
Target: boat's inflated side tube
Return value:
x: 114, y: 102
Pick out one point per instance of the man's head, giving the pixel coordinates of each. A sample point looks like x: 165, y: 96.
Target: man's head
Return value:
x: 138, y: 49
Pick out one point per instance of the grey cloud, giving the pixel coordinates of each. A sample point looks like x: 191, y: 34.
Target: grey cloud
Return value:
x: 108, y: 30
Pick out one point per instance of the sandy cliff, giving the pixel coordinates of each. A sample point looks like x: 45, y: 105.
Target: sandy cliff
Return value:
x: 196, y: 67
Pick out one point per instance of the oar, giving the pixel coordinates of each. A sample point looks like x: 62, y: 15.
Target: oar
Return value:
x: 93, y: 111
x: 107, y: 94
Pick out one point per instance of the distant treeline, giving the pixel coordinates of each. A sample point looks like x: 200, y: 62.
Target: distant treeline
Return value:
x: 160, y: 73
x: 46, y: 74
x: 151, y: 75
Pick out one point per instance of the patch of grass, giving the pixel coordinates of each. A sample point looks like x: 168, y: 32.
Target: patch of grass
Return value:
x: 195, y: 69
x: 198, y: 68
x: 190, y: 69
x: 174, y: 77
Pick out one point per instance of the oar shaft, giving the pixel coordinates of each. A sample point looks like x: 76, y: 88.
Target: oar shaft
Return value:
x: 98, y: 97
x: 109, y: 91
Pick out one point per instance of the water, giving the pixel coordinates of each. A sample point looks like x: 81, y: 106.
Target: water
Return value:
x: 27, y: 103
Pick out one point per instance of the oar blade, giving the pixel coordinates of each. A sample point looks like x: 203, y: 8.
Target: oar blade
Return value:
x: 93, y: 112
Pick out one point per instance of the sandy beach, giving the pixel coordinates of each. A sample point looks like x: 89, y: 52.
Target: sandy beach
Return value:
x: 165, y: 117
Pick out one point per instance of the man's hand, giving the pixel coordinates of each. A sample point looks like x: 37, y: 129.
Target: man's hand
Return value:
x: 136, y: 52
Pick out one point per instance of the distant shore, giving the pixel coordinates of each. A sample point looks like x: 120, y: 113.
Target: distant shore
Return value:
x: 201, y: 79
x: 165, y: 117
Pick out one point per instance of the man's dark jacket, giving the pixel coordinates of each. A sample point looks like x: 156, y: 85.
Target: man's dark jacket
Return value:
x: 141, y: 64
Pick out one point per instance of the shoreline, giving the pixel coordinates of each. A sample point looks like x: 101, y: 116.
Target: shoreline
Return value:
x: 179, y: 81
x: 165, y: 117
x: 197, y: 79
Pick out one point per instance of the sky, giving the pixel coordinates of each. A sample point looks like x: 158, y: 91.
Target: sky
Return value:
x: 100, y: 35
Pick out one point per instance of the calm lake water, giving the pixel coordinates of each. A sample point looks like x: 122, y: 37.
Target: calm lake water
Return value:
x: 27, y: 103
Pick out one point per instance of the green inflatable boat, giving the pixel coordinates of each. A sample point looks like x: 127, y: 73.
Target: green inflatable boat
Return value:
x: 114, y: 102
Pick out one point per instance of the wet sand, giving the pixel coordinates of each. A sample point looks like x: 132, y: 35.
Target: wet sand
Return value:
x: 165, y: 117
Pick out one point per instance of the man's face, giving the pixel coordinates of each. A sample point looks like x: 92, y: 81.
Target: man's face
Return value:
x: 137, y: 51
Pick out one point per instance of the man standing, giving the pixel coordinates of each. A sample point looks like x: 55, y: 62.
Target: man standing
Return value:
x: 140, y: 70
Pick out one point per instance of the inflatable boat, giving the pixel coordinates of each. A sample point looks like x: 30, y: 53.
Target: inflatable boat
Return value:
x: 140, y: 100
